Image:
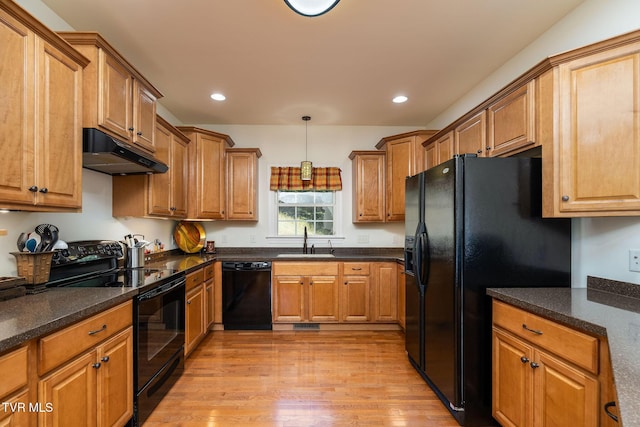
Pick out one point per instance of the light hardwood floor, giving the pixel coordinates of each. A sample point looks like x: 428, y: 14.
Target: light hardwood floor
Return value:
x: 300, y: 379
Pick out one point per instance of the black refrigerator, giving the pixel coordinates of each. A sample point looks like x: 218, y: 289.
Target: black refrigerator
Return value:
x: 473, y: 223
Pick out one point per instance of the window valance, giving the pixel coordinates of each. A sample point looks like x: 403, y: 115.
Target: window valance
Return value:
x: 322, y: 179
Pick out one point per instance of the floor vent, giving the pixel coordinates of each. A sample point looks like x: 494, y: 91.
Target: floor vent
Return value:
x: 306, y: 326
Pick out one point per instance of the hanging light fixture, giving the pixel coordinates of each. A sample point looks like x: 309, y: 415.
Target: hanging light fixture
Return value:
x: 306, y: 167
x: 311, y: 8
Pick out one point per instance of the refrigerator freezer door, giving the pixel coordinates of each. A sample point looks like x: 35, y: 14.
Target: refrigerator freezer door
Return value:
x: 441, y: 301
x: 413, y: 321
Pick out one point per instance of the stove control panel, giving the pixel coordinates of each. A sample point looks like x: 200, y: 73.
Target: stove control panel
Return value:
x: 88, y: 250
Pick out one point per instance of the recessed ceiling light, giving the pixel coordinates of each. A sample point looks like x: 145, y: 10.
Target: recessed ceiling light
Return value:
x: 218, y: 97
x: 400, y: 99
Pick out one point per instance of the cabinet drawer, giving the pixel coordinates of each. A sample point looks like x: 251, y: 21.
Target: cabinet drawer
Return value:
x: 208, y: 272
x: 356, y: 268
x: 194, y: 279
x: 61, y: 346
x: 567, y: 343
x: 305, y: 268
x: 13, y: 371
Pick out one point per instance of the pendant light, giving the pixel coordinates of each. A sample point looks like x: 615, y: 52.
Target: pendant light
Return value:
x: 306, y: 166
x: 311, y: 8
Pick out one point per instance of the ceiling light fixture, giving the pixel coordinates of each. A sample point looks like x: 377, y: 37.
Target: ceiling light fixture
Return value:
x: 400, y: 99
x: 311, y: 8
x: 218, y: 97
x: 306, y: 167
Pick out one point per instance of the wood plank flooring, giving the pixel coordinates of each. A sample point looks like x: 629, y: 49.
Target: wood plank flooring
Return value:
x: 300, y: 379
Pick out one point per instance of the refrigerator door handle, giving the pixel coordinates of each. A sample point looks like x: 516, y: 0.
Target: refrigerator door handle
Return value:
x: 417, y: 260
x: 422, y: 259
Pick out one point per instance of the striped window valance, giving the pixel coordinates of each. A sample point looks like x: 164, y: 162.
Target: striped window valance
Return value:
x: 288, y: 179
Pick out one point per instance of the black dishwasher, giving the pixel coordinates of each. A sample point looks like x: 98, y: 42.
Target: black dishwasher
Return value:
x: 246, y: 295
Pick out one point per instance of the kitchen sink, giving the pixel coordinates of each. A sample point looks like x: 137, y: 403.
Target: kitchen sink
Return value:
x: 306, y: 256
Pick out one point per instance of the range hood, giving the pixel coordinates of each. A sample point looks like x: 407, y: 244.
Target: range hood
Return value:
x: 102, y: 153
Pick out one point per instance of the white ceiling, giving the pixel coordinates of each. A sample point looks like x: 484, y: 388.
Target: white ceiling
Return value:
x: 341, y: 68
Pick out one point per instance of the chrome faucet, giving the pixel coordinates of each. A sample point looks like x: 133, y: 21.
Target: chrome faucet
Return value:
x: 331, y: 251
x: 304, y: 242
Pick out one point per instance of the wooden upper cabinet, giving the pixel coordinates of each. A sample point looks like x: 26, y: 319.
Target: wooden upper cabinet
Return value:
x: 512, y: 122
x: 41, y: 89
x: 405, y: 157
x: 439, y: 150
x: 369, y: 169
x: 471, y: 136
x: 206, y: 184
x: 591, y: 151
x: 242, y: 183
x: 161, y: 195
x: 167, y: 191
x: 119, y: 100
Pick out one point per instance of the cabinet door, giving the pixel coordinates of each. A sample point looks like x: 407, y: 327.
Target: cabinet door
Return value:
x: 160, y: 183
x: 241, y: 185
x: 511, y: 121
x: 288, y: 298
x: 194, y: 319
x: 17, y: 418
x: 385, y: 293
x: 431, y: 156
x: 471, y: 136
x: 114, y: 97
x: 210, y: 303
x: 597, y: 157
x: 445, y: 146
x: 355, y: 301
x: 369, y: 187
x: 17, y: 130
x: 144, y: 120
x: 115, y: 379
x: 179, y: 176
x: 399, y: 166
x: 323, y: 301
x: 59, y: 146
x: 512, y: 381
x: 564, y: 395
x: 210, y: 183
x: 71, y: 390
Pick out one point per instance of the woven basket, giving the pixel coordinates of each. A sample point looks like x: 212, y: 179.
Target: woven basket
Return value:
x: 34, y: 266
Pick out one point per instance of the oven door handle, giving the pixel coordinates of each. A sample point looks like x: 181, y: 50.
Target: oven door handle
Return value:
x: 163, y: 289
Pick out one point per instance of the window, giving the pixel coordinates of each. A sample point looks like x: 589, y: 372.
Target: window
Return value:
x: 311, y: 209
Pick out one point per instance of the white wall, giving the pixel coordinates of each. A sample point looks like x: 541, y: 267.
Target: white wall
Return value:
x: 600, y: 246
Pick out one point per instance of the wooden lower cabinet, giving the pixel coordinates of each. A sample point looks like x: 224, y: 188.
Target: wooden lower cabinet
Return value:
x: 305, y: 292
x: 355, y: 295
x: 14, y: 388
x: 195, y: 310
x: 332, y: 292
x: 210, y: 296
x: 95, y: 388
x: 537, y: 382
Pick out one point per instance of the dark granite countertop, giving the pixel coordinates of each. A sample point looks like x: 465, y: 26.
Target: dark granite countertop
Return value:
x: 605, y: 308
x: 32, y: 316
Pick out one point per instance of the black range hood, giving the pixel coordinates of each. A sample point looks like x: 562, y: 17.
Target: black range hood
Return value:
x: 102, y: 153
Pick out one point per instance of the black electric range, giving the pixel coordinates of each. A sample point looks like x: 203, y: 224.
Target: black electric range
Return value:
x: 94, y: 263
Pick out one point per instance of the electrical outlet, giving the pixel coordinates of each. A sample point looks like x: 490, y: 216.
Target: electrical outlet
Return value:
x: 634, y: 260
x: 363, y: 238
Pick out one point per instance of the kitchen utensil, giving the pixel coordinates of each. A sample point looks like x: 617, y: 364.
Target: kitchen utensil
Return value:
x: 44, y: 232
x: 141, y: 244
x: 135, y: 257
x: 22, y: 241
x: 33, y: 242
x: 60, y: 244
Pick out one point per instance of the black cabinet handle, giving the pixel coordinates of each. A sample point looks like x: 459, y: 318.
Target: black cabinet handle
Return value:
x: 535, y: 331
x: 33, y: 188
x: 104, y: 328
x: 105, y: 359
x: 534, y: 365
x: 523, y: 359
x: 606, y: 410
x: 96, y: 365
x: 44, y: 190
